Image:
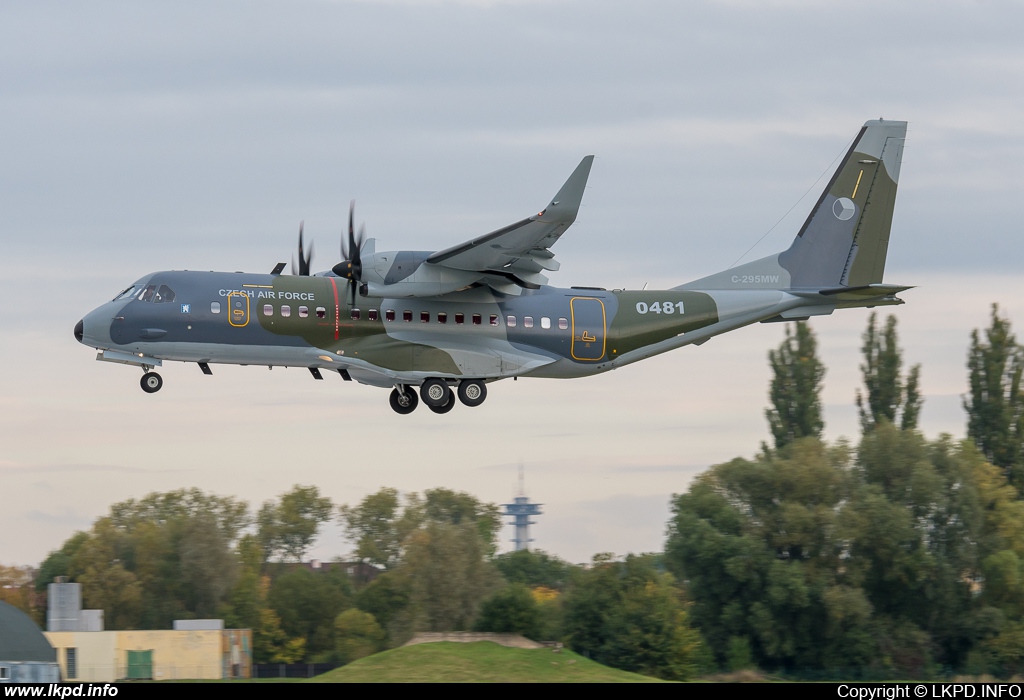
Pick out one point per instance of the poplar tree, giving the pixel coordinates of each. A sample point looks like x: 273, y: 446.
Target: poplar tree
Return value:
x: 995, y: 406
x: 795, y: 387
x: 888, y: 395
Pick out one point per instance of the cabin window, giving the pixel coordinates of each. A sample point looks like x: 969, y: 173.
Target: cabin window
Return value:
x: 460, y: 318
x: 563, y: 324
x: 407, y: 316
x: 303, y: 311
x: 424, y: 317
x: 442, y: 317
x: 477, y: 319
x: 214, y: 307
x: 354, y: 315
x: 527, y: 321
x: 372, y: 314
x: 494, y: 319
x: 164, y: 295
x: 286, y: 311
x: 147, y: 293
x: 268, y: 309
x: 389, y: 315
x: 545, y: 322
x: 511, y: 321
x: 321, y: 312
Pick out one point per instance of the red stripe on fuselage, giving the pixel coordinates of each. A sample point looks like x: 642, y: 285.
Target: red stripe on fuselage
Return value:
x: 337, y: 309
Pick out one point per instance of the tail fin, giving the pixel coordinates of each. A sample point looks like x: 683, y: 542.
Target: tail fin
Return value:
x: 844, y: 241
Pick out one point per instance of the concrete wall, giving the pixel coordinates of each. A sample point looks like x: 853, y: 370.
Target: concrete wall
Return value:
x: 97, y: 657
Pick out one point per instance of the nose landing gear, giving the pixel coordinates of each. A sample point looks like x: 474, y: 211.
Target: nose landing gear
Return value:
x: 151, y: 382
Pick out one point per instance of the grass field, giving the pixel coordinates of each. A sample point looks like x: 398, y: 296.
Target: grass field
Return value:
x: 477, y: 662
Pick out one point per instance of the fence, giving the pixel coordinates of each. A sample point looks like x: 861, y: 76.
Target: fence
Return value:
x: 290, y: 670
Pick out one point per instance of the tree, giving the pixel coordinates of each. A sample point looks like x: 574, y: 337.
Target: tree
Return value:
x: 16, y: 588
x: 995, y: 406
x: 98, y: 565
x: 209, y: 569
x: 307, y: 603
x: 357, y: 634
x: 228, y: 514
x: 58, y: 562
x: 379, y: 526
x: 888, y: 395
x: 631, y: 616
x: 270, y: 644
x: 512, y: 609
x: 457, y: 507
x: 534, y: 568
x: 795, y: 387
x: 895, y: 558
x: 447, y: 576
x: 386, y: 598
x: 289, y: 527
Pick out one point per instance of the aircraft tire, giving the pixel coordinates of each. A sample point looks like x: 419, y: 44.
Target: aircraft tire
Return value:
x: 435, y: 393
x: 404, y: 405
x: 151, y: 382
x: 447, y: 407
x: 472, y: 392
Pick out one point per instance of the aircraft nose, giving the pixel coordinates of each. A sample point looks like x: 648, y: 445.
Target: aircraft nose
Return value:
x: 79, y: 330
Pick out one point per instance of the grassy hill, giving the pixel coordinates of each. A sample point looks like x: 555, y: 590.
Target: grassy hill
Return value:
x: 477, y: 662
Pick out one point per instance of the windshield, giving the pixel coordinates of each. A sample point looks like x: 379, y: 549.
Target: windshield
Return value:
x: 125, y: 294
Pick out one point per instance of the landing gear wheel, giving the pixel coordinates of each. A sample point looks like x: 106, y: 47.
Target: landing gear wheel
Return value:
x: 472, y: 392
x: 151, y: 382
x: 447, y: 407
x: 404, y: 402
x: 435, y: 393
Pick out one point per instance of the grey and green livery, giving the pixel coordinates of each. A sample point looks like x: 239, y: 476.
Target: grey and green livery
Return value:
x: 450, y: 322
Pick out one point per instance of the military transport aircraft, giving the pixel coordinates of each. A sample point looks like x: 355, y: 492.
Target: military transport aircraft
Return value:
x: 451, y: 321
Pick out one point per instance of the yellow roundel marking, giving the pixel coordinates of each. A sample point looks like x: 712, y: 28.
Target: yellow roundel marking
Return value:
x: 238, y: 316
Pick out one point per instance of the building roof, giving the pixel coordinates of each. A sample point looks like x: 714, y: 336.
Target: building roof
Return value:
x: 21, y: 639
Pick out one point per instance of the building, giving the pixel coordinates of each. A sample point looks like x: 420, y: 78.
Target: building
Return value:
x: 194, y: 649
x: 114, y: 655
x: 25, y: 654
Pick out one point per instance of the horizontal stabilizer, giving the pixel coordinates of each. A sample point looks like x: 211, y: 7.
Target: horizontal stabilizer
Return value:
x: 866, y: 291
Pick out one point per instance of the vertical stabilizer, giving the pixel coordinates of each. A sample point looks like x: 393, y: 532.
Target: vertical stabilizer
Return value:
x: 843, y: 242
x: 845, y: 238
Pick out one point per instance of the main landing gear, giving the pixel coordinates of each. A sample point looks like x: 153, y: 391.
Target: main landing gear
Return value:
x: 151, y: 382
x: 437, y: 395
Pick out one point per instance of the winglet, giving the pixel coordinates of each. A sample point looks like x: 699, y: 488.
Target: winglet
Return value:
x: 565, y: 205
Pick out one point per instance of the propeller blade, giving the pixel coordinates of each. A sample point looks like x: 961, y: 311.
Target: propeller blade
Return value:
x: 351, y: 265
x: 304, y: 260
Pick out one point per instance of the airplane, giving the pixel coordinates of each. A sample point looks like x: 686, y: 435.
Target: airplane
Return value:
x: 449, y: 322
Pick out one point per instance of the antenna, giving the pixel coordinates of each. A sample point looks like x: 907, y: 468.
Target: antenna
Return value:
x: 520, y: 511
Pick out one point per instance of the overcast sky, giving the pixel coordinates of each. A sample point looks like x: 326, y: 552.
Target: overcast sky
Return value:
x: 137, y: 137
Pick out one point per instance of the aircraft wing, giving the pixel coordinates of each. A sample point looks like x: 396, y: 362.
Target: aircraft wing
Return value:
x: 518, y: 253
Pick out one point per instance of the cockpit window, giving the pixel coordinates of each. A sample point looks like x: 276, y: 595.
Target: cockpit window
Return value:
x: 164, y: 295
x: 126, y: 293
x: 147, y: 293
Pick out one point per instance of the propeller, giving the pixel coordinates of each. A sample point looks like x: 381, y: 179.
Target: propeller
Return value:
x: 351, y: 266
x: 304, y: 260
